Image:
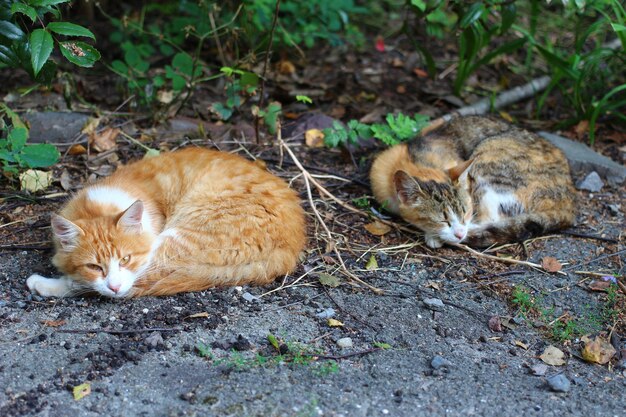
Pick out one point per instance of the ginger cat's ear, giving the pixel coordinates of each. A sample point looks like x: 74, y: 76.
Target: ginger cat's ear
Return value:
x: 65, y: 231
x: 460, y: 169
x: 406, y: 186
x: 130, y: 219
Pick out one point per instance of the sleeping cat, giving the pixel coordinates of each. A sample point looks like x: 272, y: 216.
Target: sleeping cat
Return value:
x: 477, y: 181
x: 183, y: 221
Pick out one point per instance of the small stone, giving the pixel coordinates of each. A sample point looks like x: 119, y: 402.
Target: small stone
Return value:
x: 145, y: 311
x: 614, y: 209
x: 345, y: 342
x: 539, y: 369
x: 439, y: 362
x: 592, y: 183
x: 154, y: 340
x: 326, y: 314
x: 112, y: 318
x: 242, y: 344
x: 434, y: 304
x: 559, y: 383
x: 249, y: 297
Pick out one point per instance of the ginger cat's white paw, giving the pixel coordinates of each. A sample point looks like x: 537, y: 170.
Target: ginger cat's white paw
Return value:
x: 49, y: 287
x: 433, y: 242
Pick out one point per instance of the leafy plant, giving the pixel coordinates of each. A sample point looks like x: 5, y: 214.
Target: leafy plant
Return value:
x: 396, y: 129
x: 31, y: 50
x: 15, y: 154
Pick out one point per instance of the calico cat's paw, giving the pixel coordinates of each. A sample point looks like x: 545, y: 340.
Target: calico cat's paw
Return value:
x: 49, y: 287
x: 433, y: 241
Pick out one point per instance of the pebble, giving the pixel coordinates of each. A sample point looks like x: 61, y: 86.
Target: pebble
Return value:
x: 249, y: 297
x: 326, y: 314
x: 344, y: 342
x: 614, y: 209
x: 439, y: 362
x: 592, y: 182
x: 145, y: 311
x: 559, y: 383
x: 433, y: 304
x: 154, y: 340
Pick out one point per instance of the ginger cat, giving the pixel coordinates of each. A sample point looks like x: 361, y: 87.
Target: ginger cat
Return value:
x: 183, y: 221
x: 478, y: 181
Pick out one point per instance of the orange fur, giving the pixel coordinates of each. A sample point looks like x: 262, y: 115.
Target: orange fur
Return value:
x: 231, y: 223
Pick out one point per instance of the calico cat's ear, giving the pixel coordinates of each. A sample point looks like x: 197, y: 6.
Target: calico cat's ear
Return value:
x: 462, y: 168
x: 130, y: 219
x: 65, y: 231
x: 406, y: 186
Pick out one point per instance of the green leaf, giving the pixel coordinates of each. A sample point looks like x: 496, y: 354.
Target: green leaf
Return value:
x: 11, y: 31
x: 40, y: 155
x: 17, y: 138
x: 304, y: 99
x: 70, y: 29
x: 47, y: 2
x: 183, y: 62
x: 6, y: 156
x: 617, y: 27
x: 249, y: 79
x: 222, y: 111
x: 24, y: 9
x: 509, y: 12
x: 8, y: 57
x: 41, y: 47
x: 419, y: 4
x: 328, y: 280
x: 273, y: 341
x: 271, y: 116
x: 472, y: 14
x: 79, y: 53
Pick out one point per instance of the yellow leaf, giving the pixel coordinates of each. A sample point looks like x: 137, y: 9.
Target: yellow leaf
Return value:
x: 551, y: 264
x: 81, y: 391
x: 198, y: 315
x: 553, y: 356
x: 328, y: 280
x: 377, y: 228
x: 506, y: 116
x: 334, y: 323
x: 372, y: 263
x: 521, y: 344
x: 104, y: 140
x: 90, y: 126
x: 314, y: 138
x: 34, y: 180
x: 597, y: 350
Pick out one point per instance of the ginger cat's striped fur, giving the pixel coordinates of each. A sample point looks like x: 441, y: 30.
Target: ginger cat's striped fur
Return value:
x: 478, y: 181
x: 183, y: 221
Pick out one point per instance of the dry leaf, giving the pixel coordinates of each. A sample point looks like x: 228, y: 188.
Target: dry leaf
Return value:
x: 581, y: 128
x: 328, y: 280
x: 371, y: 264
x: 198, y: 315
x: 165, y: 96
x: 433, y: 284
x: 104, y: 140
x: 77, y: 149
x: 81, y: 391
x: 553, y: 356
x: 420, y: 72
x: 539, y: 369
x: 66, y: 180
x: 521, y: 344
x: 551, y: 264
x: 34, y: 180
x: 334, y: 323
x: 597, y: 350
x: 506, y: 116
x: 599, y: 285
x: 53, y: 323
x: 377, y: 228
x: 314, y: 138
x: 495, y: 324
x: 286, y: 67
x: 90, y: 125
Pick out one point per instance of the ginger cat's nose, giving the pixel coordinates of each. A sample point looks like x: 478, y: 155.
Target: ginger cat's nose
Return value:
x: 459, y: 234
x: 114, y: 288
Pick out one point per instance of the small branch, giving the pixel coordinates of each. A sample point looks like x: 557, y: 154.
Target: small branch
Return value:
x: 586, y: 236
x: 257, y: 119
x: 109, y: 331
x: 347, y: 355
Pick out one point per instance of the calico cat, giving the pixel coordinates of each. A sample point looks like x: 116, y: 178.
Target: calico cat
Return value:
x: 477, y: 181
x: 182, y: 221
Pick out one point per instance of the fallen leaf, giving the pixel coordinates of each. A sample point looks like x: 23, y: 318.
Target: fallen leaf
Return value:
x: 334, y: 323
x: 521, y: 344
x: 599, y: 285
x: 34, y: 180
x: 506, y: 116
x: 380, y: 44
x: 151, y: 153
x: 314, y: 138
x: 553, y: 356
x: 400, y: 89
x: 53, y: 323
x: 286, y: 67
x: 77, y: 149
x: 328, y: 280
x: 377, y: 228
x: 551, y: 264
x: 104, y: 140
x: 495, y: 324
x: 597, y: 350
x: 433, y: 284
x: 198, y: 315
x: 420, y: 72
x: 581, y: 128
x: 371, y: 264
x: 397, y: 62
x: 81, y: 391
x: 165, y: 96
x: 66, y: 180
x: 90, y: 125
x: 539, y: 369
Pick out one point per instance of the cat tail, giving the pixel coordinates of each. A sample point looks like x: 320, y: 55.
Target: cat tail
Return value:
x: 515, y: 229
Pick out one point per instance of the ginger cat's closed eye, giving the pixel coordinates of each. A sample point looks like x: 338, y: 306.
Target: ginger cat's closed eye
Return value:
x: 183, y: 221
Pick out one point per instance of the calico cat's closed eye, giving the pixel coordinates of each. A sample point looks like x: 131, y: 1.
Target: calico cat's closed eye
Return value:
x: 125, y: 260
